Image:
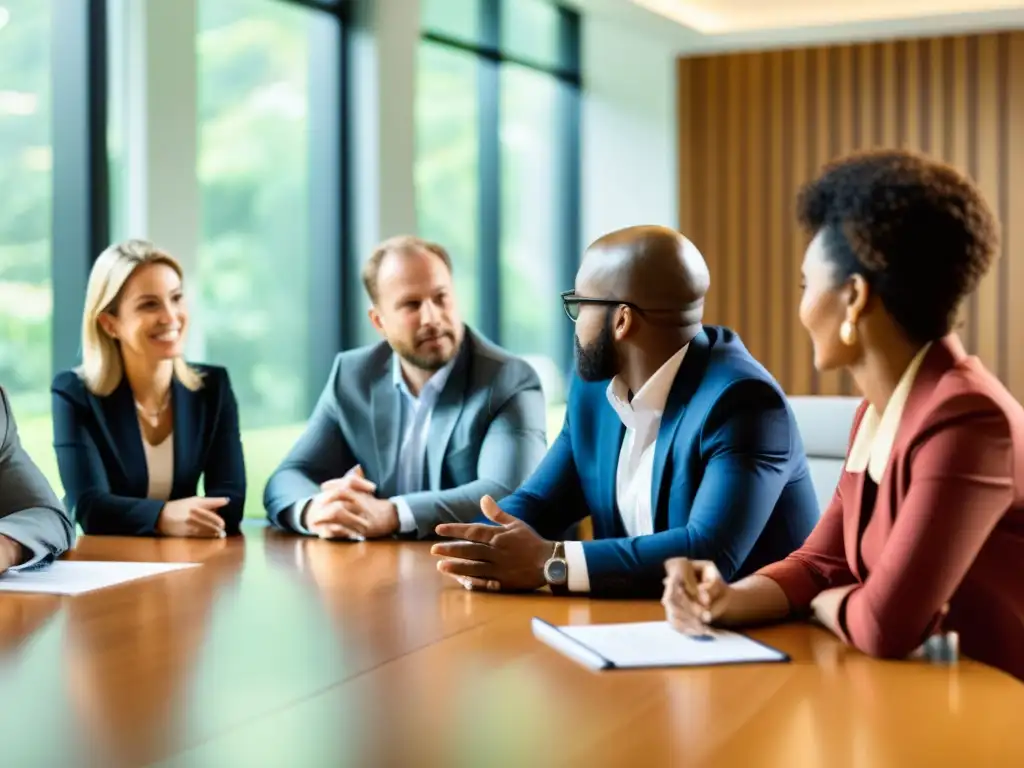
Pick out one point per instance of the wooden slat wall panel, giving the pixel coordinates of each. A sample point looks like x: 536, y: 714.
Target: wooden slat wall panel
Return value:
x: 755, y: 126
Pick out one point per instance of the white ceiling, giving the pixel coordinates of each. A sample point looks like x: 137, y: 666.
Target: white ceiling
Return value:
x: 712, y: 17
x: 709, y: 25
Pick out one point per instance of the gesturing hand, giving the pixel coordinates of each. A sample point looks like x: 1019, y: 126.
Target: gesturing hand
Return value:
x: 194, y: 516
x: 509, y: 556
x: 695, y: 594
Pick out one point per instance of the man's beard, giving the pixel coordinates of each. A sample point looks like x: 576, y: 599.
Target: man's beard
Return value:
x: 598, y: 361
x: 428, y: 362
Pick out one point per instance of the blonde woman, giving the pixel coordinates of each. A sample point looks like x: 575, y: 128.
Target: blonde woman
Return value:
x: 135, y: 426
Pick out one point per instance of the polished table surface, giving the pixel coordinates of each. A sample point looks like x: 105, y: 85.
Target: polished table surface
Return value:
x: 283, y: 651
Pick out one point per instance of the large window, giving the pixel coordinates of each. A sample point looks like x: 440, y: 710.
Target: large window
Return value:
x: 26, y: 295
x: 447, y: 163
x: 497, y: 162
x: 268, y: 306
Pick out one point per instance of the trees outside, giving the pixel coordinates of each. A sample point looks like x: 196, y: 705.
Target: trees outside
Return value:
x: 26, y: 296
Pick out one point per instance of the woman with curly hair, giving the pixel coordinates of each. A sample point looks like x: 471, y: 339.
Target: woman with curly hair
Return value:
x: 925, y: 532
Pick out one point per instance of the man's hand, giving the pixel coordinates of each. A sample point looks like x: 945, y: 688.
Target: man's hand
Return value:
x: 379, y: 516
x: 509, y: 556
x: 11, y: 553
x: 346, y: 508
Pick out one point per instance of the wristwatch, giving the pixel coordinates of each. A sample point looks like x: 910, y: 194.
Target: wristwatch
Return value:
x: 556, y: 569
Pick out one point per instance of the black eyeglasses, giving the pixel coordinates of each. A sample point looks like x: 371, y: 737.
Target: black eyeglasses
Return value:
x: 571, y: 303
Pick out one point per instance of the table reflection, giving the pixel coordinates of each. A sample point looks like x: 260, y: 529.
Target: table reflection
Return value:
x: 130, y: 650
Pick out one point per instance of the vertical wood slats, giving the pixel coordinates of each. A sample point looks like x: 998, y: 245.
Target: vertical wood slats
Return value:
x: 755, y: 126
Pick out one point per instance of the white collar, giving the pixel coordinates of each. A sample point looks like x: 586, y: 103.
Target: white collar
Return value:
x: 649, y: 403
x: 876, y: 435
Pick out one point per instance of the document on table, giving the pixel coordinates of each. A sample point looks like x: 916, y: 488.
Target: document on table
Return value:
x: 651, y: 644
x: 73, y: 577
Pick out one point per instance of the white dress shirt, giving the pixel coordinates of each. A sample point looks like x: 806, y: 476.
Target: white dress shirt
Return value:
x: 641, y: 416
x: 160, y: 466
x: 414, y: 427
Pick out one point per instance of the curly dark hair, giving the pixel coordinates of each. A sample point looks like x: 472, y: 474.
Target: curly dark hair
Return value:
x: 918, y: 232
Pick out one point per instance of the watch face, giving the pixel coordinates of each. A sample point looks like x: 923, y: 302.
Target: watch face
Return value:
x: 556, y: 572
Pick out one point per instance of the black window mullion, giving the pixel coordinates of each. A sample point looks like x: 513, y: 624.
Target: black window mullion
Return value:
x: 489, y: 169
x: 568, y: 179
x: 328, y: 210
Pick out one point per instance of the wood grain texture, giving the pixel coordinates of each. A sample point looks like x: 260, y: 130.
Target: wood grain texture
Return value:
x: 768, y: 121
x: 286, y: 651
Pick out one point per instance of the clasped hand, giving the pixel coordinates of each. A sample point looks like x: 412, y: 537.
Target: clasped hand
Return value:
x: 695, y: 594
x: 508, y: 556
x: 346, y: 508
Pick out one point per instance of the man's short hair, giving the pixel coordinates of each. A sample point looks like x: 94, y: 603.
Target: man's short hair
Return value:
x: 400, y: 245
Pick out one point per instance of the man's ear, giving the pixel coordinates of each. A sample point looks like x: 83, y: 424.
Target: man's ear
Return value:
x: 623, y: 322
x: 375, y: 320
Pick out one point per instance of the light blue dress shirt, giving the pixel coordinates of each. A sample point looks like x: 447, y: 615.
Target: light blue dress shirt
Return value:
x: 414, y: 426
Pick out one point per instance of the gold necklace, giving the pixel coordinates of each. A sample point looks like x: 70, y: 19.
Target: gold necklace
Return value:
x: 153, y: 417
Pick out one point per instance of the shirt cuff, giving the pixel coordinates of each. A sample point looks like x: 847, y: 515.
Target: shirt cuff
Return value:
x: 406, y: 520
x: 293, y: 516
x: 576, y: 562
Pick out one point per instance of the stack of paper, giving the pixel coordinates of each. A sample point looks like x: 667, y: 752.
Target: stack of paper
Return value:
x: 73, y: 577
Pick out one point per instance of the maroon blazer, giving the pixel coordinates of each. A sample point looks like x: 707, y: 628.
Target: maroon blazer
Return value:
x: 947, y: 525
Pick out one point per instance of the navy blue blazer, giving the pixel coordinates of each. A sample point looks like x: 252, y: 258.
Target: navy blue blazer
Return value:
x: 103, y: 466
x: 731, y: 482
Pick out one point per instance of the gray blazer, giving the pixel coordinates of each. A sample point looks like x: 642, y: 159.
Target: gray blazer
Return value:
x: 30, y: 512
x: 487, y: 434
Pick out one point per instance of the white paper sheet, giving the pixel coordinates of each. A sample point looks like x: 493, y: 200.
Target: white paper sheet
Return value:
x: 73, y: 577
x: 651, y: 644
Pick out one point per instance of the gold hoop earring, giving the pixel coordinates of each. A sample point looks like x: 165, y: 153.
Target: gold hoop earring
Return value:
x: 848, y: 333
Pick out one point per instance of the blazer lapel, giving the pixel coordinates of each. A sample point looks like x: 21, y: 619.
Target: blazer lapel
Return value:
x: 690, y: 374
x: 118, y: 416
x: 446, y: 413
x: 385, y: 408
x: 610, y: 435
x: 189, y: 417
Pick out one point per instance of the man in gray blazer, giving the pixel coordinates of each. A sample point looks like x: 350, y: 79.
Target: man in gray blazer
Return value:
x: 413, y: 431
x: 34, y: 526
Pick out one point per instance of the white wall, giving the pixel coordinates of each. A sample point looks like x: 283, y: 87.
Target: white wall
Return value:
x: 628, y: 163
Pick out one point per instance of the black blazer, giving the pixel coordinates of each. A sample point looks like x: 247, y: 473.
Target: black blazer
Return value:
x: 103, y: 466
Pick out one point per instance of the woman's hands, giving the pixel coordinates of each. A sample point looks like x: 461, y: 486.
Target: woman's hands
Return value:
x: 194, y: 516
x: 695, y: 595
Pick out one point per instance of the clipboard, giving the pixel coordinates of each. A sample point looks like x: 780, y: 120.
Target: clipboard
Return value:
x: 652, y: 644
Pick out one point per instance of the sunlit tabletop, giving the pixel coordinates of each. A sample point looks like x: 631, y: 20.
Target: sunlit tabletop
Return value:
x: 283, y: 651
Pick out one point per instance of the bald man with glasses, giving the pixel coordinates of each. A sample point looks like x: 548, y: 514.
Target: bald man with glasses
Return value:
x: 676, y: 442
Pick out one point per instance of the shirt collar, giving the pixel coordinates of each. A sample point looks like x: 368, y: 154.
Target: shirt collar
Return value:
x: 872, y: 445
x: 431, y: 389
x: 649, y: 402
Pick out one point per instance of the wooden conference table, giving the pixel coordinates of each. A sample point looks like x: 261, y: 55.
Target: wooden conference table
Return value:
x: 281, y: 651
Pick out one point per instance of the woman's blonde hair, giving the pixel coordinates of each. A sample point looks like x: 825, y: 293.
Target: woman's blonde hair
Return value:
x: 102, y: 366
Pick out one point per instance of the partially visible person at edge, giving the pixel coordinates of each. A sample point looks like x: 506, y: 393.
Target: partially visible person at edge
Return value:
x: 676, y: 442
x: 925, y: 532
x: 136, y: 427
x: 34, y: 527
